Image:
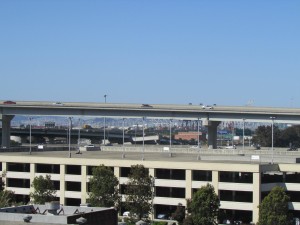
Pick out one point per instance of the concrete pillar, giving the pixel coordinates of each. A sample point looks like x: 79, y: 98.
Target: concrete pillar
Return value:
x: 152, y: 173
x: 83, y: 184
x: 212, y: 133
x: 215, y: 181
x: 117, y: 172
x: 188, y: 184
x: 4, y: 170
x: 62, y: 184
x: 256, y: 196
x: 6, y: 130
x: 32, y: 175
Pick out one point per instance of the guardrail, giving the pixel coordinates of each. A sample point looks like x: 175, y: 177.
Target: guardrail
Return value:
x: 202, y: 151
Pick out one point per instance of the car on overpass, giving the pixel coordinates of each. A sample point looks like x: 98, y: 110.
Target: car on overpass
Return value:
x: 9, y: 102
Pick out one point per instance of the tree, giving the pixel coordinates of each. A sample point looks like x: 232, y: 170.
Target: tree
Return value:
x: 179, y: 213
x: 44, y: 190
x: 290, y: 135
x: 263, y: 136
x: 274, y: 210
x: 7, y: 198
x: 138, y: 191
x: 204, y: 206
x: 104, y: 188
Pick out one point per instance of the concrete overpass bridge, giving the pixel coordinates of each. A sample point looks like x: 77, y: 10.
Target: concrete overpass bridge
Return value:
x: 95, y: 135
x: 210, y: 116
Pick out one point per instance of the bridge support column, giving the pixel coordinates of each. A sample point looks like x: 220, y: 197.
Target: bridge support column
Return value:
x: 6, y: 130
x: 212, y: 133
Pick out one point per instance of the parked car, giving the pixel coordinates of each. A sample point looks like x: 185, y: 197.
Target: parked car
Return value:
x: 195, y: 146
x: 292, y: 148
x: 257, y: 146
x: 89, y: 146
x: 162, y: 216
x: 230, y: 147
x: 129, y: 214
x: 226, y: 222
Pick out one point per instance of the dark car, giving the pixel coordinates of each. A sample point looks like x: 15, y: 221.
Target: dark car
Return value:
x: 146, y: 106
x: 9, y: 102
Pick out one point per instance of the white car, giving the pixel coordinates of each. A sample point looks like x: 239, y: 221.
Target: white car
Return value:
x: 195, y: 146
x: 58, y: 103
x: 230, y: 147
x: 128, y: 214
x: 89, y: 146
x: 207, y: 107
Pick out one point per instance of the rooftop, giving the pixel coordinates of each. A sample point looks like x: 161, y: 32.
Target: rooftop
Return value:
x: 53, y: 213
x: 175, y: 154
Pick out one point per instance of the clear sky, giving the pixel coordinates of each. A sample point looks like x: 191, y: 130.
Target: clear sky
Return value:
x: 224, y: 52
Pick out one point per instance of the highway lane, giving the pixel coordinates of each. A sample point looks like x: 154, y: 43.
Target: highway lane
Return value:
x: 217, y: 113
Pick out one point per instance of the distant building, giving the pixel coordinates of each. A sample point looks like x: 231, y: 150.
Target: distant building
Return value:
x: 49, y: 124
x: 189, y: 135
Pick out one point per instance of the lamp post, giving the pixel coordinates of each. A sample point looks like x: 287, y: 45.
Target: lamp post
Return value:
x: 272, y: 118
x: 143, y: 139
x: 78, y: 134
x: 70, y: 129
x: 135, y: 135
x: 170, y: 138
x: 104, y: 123
x: 123, y: 155
x: 30, y: 135
x: 244, y: 133
x: 232, y: 134
x: 198, y: 130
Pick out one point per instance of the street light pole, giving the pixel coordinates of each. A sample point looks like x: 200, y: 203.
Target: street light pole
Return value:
x: 70, y: 129
x: 123, y: 155
x: 232, y: 134
x: 243, y: 133
x: 135, y: 135
x: 143, y: 139
x: 30, y: 135
x: 78, y: 134
x: 104, y: 122
x: 198, y: 130
x: 170, y: 138
x: 272, y: 118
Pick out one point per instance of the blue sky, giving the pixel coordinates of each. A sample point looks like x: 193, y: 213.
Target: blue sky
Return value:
x: 225, y: 52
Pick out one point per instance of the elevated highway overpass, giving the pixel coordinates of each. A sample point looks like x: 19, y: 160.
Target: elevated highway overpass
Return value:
x: 210, y: 116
